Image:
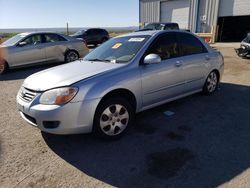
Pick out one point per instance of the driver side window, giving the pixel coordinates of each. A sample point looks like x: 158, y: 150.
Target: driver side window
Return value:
x: 166, y: 46
x: 33, y: 40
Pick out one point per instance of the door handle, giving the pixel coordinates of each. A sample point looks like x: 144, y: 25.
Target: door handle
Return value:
x: 178, y: 63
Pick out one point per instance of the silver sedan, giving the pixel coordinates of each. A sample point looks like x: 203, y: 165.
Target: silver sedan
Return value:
x: 40, y: 47
x: 125, y: 75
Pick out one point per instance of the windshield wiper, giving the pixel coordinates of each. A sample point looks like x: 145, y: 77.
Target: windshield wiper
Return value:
x: 103, y: 60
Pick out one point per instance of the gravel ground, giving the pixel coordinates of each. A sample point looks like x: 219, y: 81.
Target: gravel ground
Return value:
x: 203, y: 144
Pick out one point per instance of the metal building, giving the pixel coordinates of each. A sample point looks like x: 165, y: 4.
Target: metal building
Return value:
x: 225, y: 20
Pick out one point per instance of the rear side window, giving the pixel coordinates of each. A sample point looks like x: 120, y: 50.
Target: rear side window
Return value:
x: 190, y: 45
x: 91, y: 32
x: 166, y: 46
x: 53, y: 38
x: 104, y: 32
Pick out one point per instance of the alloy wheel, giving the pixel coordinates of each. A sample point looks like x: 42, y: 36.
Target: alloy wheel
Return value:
x: 114, y: 119
x: 71, y: 56
x: 212, y: 82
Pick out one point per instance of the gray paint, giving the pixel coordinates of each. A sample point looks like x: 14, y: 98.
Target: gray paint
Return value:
x: 234, y: 8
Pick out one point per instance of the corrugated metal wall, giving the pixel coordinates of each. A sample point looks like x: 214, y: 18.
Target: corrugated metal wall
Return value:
x: 234, y: 7
x: 209, y: 9
x: 149, y: 11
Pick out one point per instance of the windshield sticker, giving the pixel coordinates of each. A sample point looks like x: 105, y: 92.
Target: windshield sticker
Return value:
x: 136, y: 39
x: 117, y: 45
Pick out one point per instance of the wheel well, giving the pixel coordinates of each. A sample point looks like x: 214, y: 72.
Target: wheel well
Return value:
x: 7, y: 64
x: 124, y: 93
x: 217, y: 72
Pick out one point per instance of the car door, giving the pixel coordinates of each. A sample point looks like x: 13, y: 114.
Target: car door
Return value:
x: 194, y: 62
x: 29, y: 50
x: 55, y: 47
x: 165, y: 80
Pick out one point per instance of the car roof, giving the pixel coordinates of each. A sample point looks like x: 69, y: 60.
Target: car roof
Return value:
x: 166, y: 23
x: 140, y: 33
x: 152, y: 33
x: 39, y: 32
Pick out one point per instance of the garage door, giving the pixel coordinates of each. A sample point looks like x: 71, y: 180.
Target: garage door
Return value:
x: 175, y: 11
x: 234, y: 8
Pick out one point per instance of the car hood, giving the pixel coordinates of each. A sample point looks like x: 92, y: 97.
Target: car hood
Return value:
x: 4, y: 46
x: 68, y: 74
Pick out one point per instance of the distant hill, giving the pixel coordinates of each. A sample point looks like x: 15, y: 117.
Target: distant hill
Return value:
x: 72, y: 29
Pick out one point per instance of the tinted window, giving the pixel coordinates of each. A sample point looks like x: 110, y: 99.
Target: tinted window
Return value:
x: 53, y: 38
x: 96, y: 31
x: 104, y: 32
x: 190, y: 44
x: 155, y: 26
x: 33, y: 40
x: 165, y: 46
x: 171, y: 26
x: 91, y: 32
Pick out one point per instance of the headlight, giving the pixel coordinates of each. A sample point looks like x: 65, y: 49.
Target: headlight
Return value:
x: 58, y: 96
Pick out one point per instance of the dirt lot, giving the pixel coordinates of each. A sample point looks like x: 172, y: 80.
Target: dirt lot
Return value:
x: 204, y: 144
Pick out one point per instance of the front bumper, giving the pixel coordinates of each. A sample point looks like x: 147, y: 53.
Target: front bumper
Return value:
x: 72, y: 118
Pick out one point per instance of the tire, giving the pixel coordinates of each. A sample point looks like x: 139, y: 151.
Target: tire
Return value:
x: 211, y: 83
x: 3, y: 67
x: 70, y: 56
x: 113, y: 118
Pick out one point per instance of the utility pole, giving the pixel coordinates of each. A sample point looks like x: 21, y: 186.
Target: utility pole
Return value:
x: 67, y: 28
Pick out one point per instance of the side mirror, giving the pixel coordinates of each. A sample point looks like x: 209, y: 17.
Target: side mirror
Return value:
x: 22, y: 44
x: 152, y: 59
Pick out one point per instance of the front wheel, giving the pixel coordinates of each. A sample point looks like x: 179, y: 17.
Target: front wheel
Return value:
x: 71, y: 56
x: 112, y: 118
x: 211, y: 83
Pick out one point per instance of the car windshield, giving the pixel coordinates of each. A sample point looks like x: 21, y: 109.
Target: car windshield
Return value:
x: 118, y: 50
x: 13, y: 40
x: 154, y: 26
x: 79, y: 32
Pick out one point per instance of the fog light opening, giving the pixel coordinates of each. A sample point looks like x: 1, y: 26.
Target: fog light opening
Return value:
x: 51, y: 124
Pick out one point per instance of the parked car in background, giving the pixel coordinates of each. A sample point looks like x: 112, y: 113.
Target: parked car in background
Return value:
x: 244, y: 50
x: 160, y: 26
x: 125, y: 75
x: 92, y: 36
x: 40, y: 47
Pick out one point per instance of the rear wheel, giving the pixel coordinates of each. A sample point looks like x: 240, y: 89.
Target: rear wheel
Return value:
x: 112, y: 118
x: 71, y: 56
x: 211, y: 83
x: 3, y: 66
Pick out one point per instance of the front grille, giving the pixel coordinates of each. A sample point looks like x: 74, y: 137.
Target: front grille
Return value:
x: 26, y: 94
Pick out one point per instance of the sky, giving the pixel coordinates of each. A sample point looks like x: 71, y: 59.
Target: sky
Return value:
x: 78, y: 13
